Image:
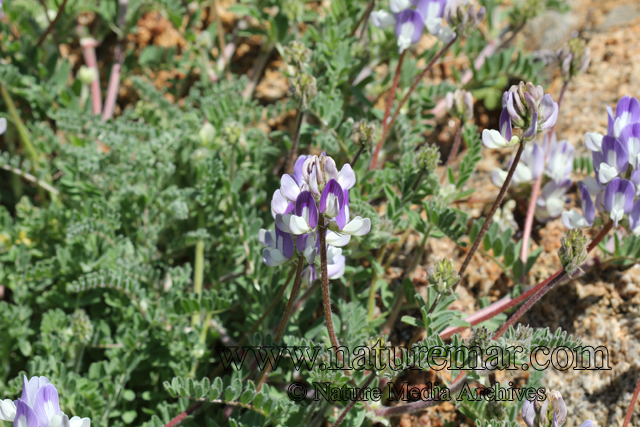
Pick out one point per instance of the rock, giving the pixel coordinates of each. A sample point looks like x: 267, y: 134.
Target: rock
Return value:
x: 620, y: 16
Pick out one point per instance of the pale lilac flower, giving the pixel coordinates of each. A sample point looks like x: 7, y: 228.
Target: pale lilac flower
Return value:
x: 332, y: 199
x: 305, y: 218
x: 593, y: 141
x: 279, y: 246
x: 560, y: 158
x: 504, y: 138
x: 7, y: 410
x: 528, y: 412
x: 587, y: 423
x: 335, y: 262
x: 627, y: 112
x: 618, y: 199
x: 552, y: 200
x: 528, y: 169
x: 634, y: 219
x: 611, y: 161
x: 409, y: 27
x: 573, y: 218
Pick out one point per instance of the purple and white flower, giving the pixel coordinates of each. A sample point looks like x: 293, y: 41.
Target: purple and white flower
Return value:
x: 612, y: 161
x: 574, y: 219
x: 504, y: 137
x: 627, y: 112
x: 279, y: 246
x: 560, y: 158
x: 410, y: 17
x: 38, y: 406
x: 552, y: 200
x: 529, y: 168
x: 630, y: 139
x: 530, y: 109
x: 618, y: 199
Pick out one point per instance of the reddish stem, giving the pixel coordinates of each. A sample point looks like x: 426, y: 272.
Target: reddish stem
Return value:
x: 180, y: 418
x: 52, y: 23
x: 114, y: 80
x: 528, y: 224
x: 632, y: 405
x: 88, y: 51
x: 387, y: 110
x: 385, y: 129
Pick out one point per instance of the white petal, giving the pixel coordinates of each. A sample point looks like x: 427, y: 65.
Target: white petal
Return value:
x: 491, y: 138
x: 573, y: 219
x: 382, y: 19
x: 3, y: 125
x: 298, y: 225
x: 592, y: 185
x: 336, y: 239
x: 593, y: 141
x: 7, y: 410
x: 79, y: 422
x: 273, y: 257
x: 446, y: 34
x: 333, y: 207
x: 310, y: 254
x: 434, y: 25
x: 358, y: 226
x: 289, y: 187
x: 398, y: 6
x: 616, y: 215
x: 606, y: 173
x: 279, y: 203
x: 521, y: 174
x: 347, y: 177
x: 282, y: 222
x: 618, y: 125
x: 333, y: 253
x: 498, y: 176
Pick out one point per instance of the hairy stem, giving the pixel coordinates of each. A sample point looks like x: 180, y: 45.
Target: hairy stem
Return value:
x: 52, y: 23
x: 114, y: 79
x: 387, y: 110
x: 363, y: 18
x: 294, y: 144
x: 326, y: 298
x: 356, y: 157
x: 632, y: 405
x: 489, y: 218
x: 353, y: 402
x: 385, y: 126
x: 198, y: 274
x: 453, y: 153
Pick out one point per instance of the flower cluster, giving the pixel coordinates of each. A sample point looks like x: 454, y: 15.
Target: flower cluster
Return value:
x: 312, y: 200
x: 551, y: 412
x: 460, y: 104
x: 616, y: 162
x: 524, y: 107
x: 38, y: 406
x: 532, y: 165
x: 410, y: 17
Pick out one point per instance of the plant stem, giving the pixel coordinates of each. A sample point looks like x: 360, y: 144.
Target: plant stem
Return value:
x: 54, y: 192
x: 89, y: 52
x: 363, y: 18
x: 356, y: 157
x: 385, y: 126
x: 353, y: 402
x: 387, y: 110
x: 528, y: 224
x: 489, y: 218
x: 25, y: 138
x: 550, y: 285
x: 198, y: 274
x: 294, y: 145
x: 214, y: 9
x: 114, y: 79
x: 285, y: 319
x: 178, y: 420
x: 52, y: 24
x: 326, y: 298
x: 632, y: 404
x: 453, y: 153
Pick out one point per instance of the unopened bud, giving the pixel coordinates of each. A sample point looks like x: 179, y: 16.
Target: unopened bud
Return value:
x: 303, y: 87
x: 87, y: 75
x: 81, y: 326
x: 480, y: 337
x: 574, y: 58
x: 463, y: 15
x: 428, y: 158
x: 233, y: 132
x: 573, y: 250
x: 297, y: 53
x: 207, y: 134
x: 460, y: 104
x: 442, y: 275
x: 363, y: 133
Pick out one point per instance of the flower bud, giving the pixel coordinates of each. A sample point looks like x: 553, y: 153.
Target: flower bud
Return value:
x: 552, y: 412
x: 573, y: 250
x: 481, y: 337
x: 297, y: 53
x: 574, y: 58
x: 233, y: 132
x: 442, y: 275
x: 207, y: 134
x: 303, y: 87
x: 460, y: 104
x: 428, y: 158
x: 87, y: 75
x: 463, y: 15
x: 81, y: 326
x: 530, y: 109
x: 363, y: 133
x: 204, y: 40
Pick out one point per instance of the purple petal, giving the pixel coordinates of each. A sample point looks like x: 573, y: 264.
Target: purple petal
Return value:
x: 618, y: 198
x: 533, y: 129
x: 430, y: 9
x: 630, y: 138
x: 634, y: 218
x: 587, y: 423
x: 297, y: 169
x: 306, y: 208
x: 588, y: 210
x: 332, y: 199
x: 615, y: 154
x: 531, y: 102
x: 537, y: 161
x: 46, y: 404
x: 410, y: 25
x: 289, y: 187
x: 343, y: 216
x: 279, y: 204
x: 25, y: 416
x: 330, y: 169
x: 284, y: 243
x: 611, y: 120
x: 528, y: 412
x: 549, y: 112
x: 628, y: 109
x: 505, y: 125
x: 336, y: 270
